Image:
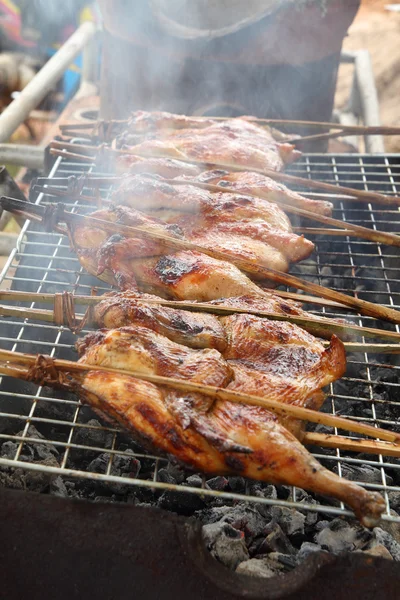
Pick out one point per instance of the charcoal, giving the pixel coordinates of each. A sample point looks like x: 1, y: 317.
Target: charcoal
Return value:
x: 268, y: 492
x: 225, y: 543
x: 9, y: 450
x: 39, y: 481
x: 306, y: 549
x: 303, y: 497
x: 291, y: 521
x: 12, y: 478
x: 177, y: 472
x: 58, y: 488
x: 276, y: 541
x: 245, y: 518
x: 165, y: 477
x: 237, y: 484
x: 37, y: 452
x: 394, y: 499
x: 364, y: 473
x: 286, y: 560
x: 195, y: 481
x: 341, y: 537
x: 218, y: 484
x: 180, y: 502
x: 99, y: 438
x: 381, y: 537
x: 256, y: 567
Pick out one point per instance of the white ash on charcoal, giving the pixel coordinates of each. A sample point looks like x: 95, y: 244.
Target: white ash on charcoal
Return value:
x: 226, y: 543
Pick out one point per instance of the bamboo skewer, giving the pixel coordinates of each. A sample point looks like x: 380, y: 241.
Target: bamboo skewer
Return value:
x: 285, y: 410
x: 359, y: 195
x: 363, y: 306
x: 347, y: 129
x: 350, y: 229
x: 342, y: 442
x: 356, y: 230
x: 321, y: 325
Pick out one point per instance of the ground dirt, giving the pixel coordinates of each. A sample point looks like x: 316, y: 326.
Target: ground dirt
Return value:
x: 377, y: 30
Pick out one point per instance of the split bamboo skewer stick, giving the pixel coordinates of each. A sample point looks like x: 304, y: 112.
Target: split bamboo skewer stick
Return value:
x: 348, y: 129
x: 359, y: 231
x: 363, y: 306
x: 359, y: 195
x: 298, y: 412
x: 341, y: 442
x: 315, y: 326
x: 320, y: 325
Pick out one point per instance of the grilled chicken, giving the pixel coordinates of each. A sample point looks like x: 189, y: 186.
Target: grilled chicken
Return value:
x: 235, y: 142
x: 123, y: 261
x: 166, y: 167
x: 241, y: 225
x: 207, y: 434
x: 246, y: 182
x: 147, y: 123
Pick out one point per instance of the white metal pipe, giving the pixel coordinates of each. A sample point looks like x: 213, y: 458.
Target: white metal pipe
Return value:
x: 43, y: 82
x: 23, y: 155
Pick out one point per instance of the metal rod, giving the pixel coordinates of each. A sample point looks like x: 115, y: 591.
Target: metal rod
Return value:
x: 31, y: 157
x: 43, y: 82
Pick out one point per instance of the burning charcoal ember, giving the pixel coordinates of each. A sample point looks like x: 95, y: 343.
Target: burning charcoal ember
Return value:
x: 122, y: 466
x: 180, y: 502
x: 225, y: 543
x: 276, y: 541
x: 381, y: 537
x: 260, y: 567
x: 33, y: 452
x: 339, y: 537
x: 176, y: 471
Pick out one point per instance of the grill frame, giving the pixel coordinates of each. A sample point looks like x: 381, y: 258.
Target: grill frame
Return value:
x: 56, y: 340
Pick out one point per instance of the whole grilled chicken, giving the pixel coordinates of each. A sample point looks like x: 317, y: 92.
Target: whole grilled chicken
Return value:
x: 211, y: 435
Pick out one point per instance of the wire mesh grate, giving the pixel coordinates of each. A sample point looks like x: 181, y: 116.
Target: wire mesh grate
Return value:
x: 370, y: 391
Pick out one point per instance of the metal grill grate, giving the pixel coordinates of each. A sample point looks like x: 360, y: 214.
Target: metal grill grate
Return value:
x: 370, y: 392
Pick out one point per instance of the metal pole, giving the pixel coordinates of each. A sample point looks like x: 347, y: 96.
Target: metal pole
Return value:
x: 41, y: 85
x: 31, y: 157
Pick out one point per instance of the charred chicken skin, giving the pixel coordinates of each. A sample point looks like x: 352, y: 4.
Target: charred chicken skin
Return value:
x: 214, y: 436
